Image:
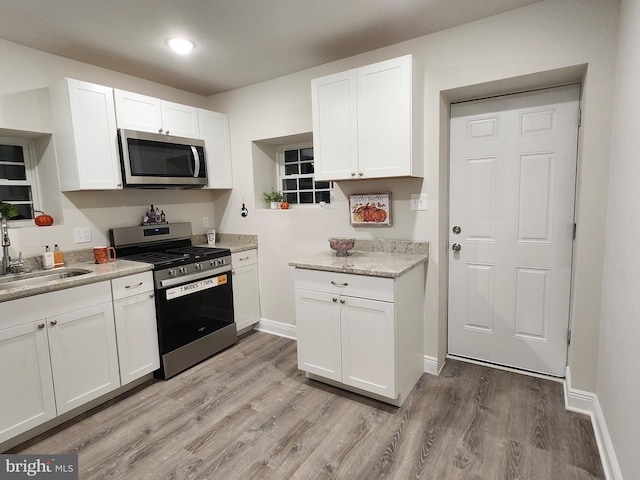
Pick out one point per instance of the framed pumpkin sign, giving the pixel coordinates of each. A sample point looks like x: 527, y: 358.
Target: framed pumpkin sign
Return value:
x: 371, y: 209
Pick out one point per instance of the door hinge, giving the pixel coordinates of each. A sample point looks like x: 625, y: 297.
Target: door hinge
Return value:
x: 579, y: 117
x: 568, y: 336
x: 575, y: 229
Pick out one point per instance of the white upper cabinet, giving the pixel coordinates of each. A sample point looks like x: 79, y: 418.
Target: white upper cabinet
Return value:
x: 85, y: 135
x: 148, y: 114
x: 367, y: 122
x: 214, y: 130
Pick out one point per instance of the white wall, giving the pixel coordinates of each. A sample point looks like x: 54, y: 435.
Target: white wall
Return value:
x: 505, y: 52
x: 618, y: 379
x: 24, y: 105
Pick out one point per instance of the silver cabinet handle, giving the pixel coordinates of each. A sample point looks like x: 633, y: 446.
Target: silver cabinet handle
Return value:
x: 243, y: 259
x: 339, y: 284
x: 41, y: 326
x: 54, y: 322
x: 334, y: 300
x: 133, y: 286
x: 342, y: 301
x: 151, y: 295
x: 159, y: 130
x: 456, y: 247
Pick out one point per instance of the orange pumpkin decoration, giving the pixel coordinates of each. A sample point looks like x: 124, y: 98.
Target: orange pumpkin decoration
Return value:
x: 43, y: 220
x: 284, y: 205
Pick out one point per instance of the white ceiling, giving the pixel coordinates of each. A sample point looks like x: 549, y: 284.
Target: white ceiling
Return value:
x: 238, y: 42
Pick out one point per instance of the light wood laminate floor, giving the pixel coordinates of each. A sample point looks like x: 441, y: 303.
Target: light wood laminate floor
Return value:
x: 249, y: 413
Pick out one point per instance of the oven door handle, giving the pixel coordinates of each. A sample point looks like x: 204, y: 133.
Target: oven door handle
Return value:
x: 172, y: 282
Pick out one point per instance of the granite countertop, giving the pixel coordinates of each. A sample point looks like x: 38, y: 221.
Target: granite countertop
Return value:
x: 234, y: 247
x: 373, y: 258
x: 99, y: 273
x: 236, y: 242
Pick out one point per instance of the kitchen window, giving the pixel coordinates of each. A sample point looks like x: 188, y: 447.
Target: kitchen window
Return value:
x: 18, y: 178
x: 296, y: 176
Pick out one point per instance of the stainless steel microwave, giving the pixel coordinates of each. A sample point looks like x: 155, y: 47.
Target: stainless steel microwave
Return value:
x: 151, y: 160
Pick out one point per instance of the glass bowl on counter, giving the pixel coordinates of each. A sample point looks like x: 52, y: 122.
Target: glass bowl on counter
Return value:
x: 341, y: 245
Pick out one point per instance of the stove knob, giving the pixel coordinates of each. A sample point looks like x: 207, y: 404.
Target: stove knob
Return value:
x: 183, y: 270
x: 171, y: 272
x: 212, y: 263
x: 198, y: 266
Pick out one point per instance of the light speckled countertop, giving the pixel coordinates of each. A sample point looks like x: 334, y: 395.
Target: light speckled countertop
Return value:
x: 378, y: 258
x: 234, y: 247
x: 99, y: 273
x: 234, y: 242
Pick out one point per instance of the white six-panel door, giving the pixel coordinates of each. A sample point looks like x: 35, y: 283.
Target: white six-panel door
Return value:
x: 513, y: 165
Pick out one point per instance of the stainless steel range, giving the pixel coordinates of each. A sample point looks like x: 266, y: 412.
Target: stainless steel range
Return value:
x: 193, y: 292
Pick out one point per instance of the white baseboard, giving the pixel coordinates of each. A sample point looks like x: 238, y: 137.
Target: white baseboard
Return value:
x: 279, y: 329
x: 431, y: 365
x: 587, y: 403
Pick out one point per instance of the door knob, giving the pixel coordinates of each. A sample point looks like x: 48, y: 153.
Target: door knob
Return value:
x: 456, y: 247
x: 456, y: 229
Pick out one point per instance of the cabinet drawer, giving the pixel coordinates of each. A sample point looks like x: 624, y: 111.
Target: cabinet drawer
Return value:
x: 130, y: 285
x: 248, y: 257
x: 375, y: 288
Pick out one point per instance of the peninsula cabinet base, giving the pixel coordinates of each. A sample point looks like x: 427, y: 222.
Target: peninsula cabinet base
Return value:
x: 361, y: 333
x: 397, y: 402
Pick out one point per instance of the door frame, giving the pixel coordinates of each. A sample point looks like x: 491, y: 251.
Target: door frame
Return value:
x: 446, y: 102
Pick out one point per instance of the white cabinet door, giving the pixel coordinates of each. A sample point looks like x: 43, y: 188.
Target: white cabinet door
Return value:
x: 148, y: 114
x: 137, y: 336
x: 84, y: 355
x: 246, y: 297
x: 84, y: 128
x: 318, y: 332
x: 26, y: 396
x: 138, y: 112
x: 335, y: 124
x: 367, y: 122
x: 368, y: 345
x: 214, y: 130
x: 384, y: 119
x: 180, y: 120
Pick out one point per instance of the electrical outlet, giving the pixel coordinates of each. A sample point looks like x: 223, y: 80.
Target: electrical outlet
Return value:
x: 205, y: 221
x: 82, y: 235
x: 418, y: 201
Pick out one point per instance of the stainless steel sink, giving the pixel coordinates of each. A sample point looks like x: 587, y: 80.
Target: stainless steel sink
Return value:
x: 37, y: 278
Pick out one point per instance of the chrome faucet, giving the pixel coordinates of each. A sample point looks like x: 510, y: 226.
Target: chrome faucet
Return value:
x: 6, y: 243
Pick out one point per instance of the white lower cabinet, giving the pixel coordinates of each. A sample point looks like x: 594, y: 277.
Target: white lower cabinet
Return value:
x: 58, y: 351
x: 246, y: 296
x: 361, y: 333
x: 62, y: 349
x: 136, y: 330
x: 84, y: 356
x: 26, y: 396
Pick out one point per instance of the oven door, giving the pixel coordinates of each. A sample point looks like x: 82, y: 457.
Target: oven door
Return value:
x: 195, y: 321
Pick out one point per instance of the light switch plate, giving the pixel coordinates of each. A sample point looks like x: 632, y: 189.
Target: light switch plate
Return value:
x: 82, y: 235
x: 418, y: 201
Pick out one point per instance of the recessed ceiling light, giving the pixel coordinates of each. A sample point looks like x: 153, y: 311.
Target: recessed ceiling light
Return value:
x: 180, y: 45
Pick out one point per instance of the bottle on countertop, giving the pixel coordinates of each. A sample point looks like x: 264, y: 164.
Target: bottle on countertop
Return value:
x: 58, y: 257
x: 157, y: 215
x: 47, y: 258
x: 163, y: 218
